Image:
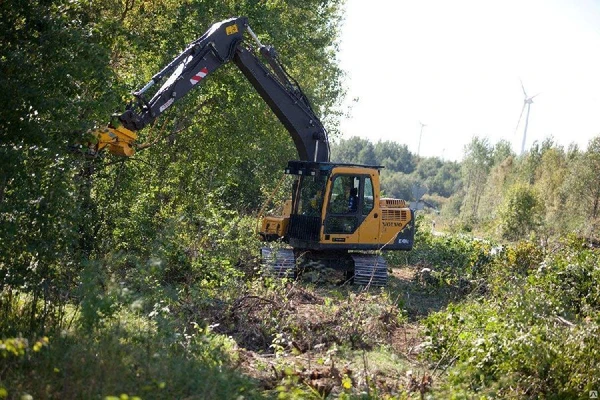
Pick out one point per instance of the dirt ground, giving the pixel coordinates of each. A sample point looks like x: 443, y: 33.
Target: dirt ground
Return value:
x: 392, y: 367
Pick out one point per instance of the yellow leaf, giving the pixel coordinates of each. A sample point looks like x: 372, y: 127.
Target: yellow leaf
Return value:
x: 346, y: 382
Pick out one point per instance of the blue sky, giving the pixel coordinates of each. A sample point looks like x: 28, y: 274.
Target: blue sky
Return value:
x: 457, y: 65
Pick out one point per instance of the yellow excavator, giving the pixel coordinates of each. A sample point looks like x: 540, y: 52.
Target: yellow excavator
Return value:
x: 336, y: 217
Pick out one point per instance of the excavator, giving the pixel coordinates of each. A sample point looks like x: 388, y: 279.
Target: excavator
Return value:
x: 336, y: 217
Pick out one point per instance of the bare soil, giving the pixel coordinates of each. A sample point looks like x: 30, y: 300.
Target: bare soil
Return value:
x: 323, y: 357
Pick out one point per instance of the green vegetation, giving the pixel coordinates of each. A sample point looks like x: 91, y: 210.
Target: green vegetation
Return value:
x: 534, y: 334
x: 139, y: 278
x: 547, y: 192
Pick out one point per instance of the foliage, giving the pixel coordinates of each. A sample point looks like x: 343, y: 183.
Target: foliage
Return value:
x: 454, y: 260
x: 533, y: 336
x: 403, y: 170
x: 144, y: 270
x: 104, y: 236
x: 521, y: 214
x: 475, y: 168
x: 132, y: 355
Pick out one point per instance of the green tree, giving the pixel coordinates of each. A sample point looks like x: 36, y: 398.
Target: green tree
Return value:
x: 54, y: 71
x: 475, y: 169
x: 500, y: 179
x: 553, y: 172
x: 394, y: 156
x: 354, y: 150
x: 502, y: 150
x: 582, y: 186
x: 67, y: 66
x: 447, y: 179
x: 397, y: 184
x: 521, y: 213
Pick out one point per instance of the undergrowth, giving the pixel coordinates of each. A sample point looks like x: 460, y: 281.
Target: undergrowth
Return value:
x: 130, y: 355
x: 534, y: 335
x: 195, y: 317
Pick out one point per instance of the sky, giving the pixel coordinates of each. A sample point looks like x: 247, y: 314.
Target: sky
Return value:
x: 457, y: 67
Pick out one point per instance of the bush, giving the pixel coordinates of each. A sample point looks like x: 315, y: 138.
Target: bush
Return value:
x: 535, y: 335
x: 129, y: 356
x: 521, y: 214
x: 453, y: 258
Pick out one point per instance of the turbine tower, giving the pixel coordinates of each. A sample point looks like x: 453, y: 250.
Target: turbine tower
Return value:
x: 420, y: 134
x: 527, y: 101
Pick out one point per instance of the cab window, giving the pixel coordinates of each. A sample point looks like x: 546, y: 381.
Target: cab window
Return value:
x: 344, y: 194
x: 368, y: 197
x: 343, y: 206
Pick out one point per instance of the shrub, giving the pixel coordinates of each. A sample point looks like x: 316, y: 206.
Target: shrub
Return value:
x: 535, y: 335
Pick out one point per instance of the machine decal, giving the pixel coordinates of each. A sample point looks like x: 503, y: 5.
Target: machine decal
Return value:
x: 230, y: 30
x: 167, y: 104
x: 198, y: 77
x: 392, y: 224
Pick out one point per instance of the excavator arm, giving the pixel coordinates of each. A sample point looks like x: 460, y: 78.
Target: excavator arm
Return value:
x: 222, y: 43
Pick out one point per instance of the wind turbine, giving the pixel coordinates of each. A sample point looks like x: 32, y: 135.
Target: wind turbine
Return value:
x: 527, y: 101
x: 421, y: 134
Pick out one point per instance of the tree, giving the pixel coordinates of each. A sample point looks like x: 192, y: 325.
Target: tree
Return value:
x: 66, y: 66
x: 502, y: 150
x: 499, y: 180
x: 354, y: 150
x: 521, y: 212
x: 583, y: 186
x: 475, y: 168
x: 394, y: 156
x: 447, y: 180
x: 553, y: 172
x: 398, y: 184
x: 54, y: 71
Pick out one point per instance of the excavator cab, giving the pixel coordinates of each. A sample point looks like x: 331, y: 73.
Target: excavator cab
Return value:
x: 335, y: 217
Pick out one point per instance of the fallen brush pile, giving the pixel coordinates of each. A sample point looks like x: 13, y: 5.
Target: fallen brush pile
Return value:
x: 296, y: 319
x: 331, y: 339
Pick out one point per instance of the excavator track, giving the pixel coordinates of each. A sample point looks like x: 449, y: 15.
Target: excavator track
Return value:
x: 280, y: 263
x: 369, y: 269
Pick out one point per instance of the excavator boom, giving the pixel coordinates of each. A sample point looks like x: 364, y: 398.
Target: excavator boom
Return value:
x: 222, y: 43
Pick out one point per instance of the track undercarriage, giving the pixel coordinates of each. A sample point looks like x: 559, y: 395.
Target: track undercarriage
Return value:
x: 362, y: 269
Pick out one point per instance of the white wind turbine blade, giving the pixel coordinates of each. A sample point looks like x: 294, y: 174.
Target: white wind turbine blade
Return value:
x: 523, y: 87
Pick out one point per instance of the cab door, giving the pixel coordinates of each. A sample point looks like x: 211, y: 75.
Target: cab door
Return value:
x: 368, y: 231
x: 350, y: 213
x: 342, y: 213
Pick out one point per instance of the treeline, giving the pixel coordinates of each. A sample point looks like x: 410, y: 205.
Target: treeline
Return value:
x: 549, y: 191
x: 403, y: 170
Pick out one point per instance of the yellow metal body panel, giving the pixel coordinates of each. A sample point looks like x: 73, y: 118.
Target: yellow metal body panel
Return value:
x: 118, y: 141
x: 380, y: 226
x: 276, y: 226
x: 393, y: 220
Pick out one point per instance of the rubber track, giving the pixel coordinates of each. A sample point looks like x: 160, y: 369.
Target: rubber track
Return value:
x: 369, y: 269
x: 280, y: 263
